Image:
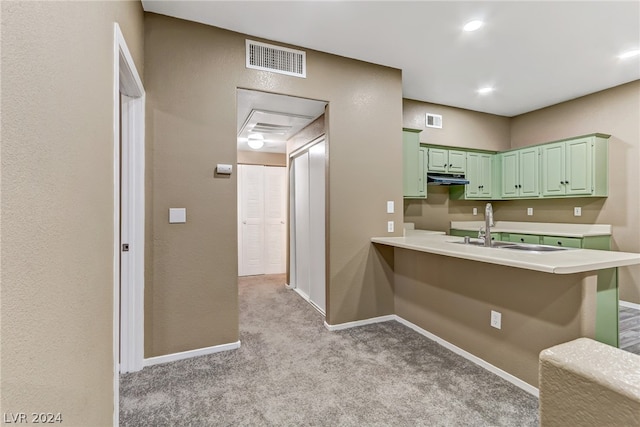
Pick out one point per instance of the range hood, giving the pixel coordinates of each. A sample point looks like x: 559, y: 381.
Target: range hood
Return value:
x: 438, y: 179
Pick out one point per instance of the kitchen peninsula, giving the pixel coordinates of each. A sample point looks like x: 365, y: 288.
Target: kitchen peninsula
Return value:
x: 449, y: 289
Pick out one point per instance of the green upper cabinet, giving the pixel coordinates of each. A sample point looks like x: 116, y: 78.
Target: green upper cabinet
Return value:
x: 575, y: 167
x: 443, y: 160
x: 413, y: 165
x: 520, y: 173
x: 480, y: 176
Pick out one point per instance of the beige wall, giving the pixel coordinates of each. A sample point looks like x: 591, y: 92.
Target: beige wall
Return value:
x: 57, y: 205
x: 460, y: 128
x: 192, y: 73
x: 616, y: 112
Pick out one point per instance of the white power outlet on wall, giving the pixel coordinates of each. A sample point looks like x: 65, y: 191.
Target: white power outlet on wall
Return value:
x: 496, y: 319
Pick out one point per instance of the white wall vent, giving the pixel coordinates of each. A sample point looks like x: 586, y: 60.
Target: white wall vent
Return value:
x: 434, y: 121
x: 277, y: 59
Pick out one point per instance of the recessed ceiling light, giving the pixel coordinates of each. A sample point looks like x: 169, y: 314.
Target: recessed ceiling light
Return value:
x: 255, y: 141
x: 485, y: 90
x: 472, y: 25
x: 629, y: 54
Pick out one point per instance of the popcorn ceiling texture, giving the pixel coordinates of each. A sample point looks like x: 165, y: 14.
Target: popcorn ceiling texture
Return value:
x: 290, y: 370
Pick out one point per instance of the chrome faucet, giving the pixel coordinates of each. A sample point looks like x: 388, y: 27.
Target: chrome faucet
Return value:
x: 488, y: 223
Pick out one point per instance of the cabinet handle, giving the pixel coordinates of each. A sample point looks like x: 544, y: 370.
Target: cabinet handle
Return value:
x: 519, y: 186
x: 450, y: 164
x: 516, y: 186
x: 559, y: 243
x: 522, y: 239
x: 566, y: 182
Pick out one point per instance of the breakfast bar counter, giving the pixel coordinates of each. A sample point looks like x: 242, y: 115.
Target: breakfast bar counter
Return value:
x: 450, y: 289
x: 566, y: 261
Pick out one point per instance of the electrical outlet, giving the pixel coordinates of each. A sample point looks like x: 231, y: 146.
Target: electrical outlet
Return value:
x: 530, y: 211
x: 390, y: 226
x: 390, y: 206
x: 577, y: 211
x: 496, y: 319
x: 475, y: 211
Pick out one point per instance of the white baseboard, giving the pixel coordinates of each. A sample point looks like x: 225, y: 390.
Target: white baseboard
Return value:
x: 475, y: 359
x: 191, y: 353
x: 348, y: 325
x: 629, y: 305
x: 478, y: 361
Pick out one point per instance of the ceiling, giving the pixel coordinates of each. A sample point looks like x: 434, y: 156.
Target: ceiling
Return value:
x: 534, y: 54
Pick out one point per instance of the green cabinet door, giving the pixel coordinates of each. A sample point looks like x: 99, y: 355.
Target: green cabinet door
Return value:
x: 529, y: 172
x: 413, y: 177
x: 553, y: 169
x: 474, y: 176
x: 437, y: 160
x: 422, y: 175
x: 480, y: 176
x: 509, y: 164
x: 486, y: 173
x: 578, y: 166
x: 457, y: 161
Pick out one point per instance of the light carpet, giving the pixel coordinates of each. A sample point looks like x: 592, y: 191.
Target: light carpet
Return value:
x: 291, y: 371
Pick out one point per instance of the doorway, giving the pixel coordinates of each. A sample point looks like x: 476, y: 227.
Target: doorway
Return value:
x: 271, y: 127
x: 128, y: 222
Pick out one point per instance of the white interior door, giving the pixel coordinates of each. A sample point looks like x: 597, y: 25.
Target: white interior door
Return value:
x: 261, y: 220
x: 251, y: 227
x: 301, y: 195
x: 317, y: 234
x: 275, y: 181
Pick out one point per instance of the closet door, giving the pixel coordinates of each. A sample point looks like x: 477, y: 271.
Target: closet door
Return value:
x: 275, y: 220
x: 317, y: 237
x: 301, y: 195
x: 251, y: 227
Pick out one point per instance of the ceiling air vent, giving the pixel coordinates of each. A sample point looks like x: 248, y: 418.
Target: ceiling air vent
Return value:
x: 277, y: 59
x: 434, y: 121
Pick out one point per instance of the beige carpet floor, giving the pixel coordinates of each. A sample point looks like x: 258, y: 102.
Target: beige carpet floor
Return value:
x: 291, y: 371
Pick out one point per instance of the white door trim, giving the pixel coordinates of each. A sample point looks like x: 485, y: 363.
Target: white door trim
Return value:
x: 126, y: 81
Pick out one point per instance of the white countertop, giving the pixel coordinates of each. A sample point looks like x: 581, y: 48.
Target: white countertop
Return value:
x: 558, y: 262
x: 549, y: 229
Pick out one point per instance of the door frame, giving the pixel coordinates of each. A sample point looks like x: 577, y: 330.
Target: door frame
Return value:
x: 128, y: 333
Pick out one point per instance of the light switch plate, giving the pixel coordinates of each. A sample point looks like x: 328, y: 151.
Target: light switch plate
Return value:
x: 475, y: 211
x: 577, y: 211
x: 177, y: 215
x: 390, y: 226
x: 530, y: 211
x: 390, y: 206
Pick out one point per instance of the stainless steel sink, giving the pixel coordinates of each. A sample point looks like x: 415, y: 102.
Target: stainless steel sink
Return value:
x: 494, y: 244
x: 515, y: 246
x: 534, y: 248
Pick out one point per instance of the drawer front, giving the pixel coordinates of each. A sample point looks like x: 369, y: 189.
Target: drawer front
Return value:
x: 566, y: 242
x: 523, y: 238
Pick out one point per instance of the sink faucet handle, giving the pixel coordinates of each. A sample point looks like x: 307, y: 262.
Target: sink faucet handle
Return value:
x: 481, y: 233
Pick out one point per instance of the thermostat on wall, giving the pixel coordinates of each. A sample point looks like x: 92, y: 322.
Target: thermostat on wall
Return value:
x: 224, y: 169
